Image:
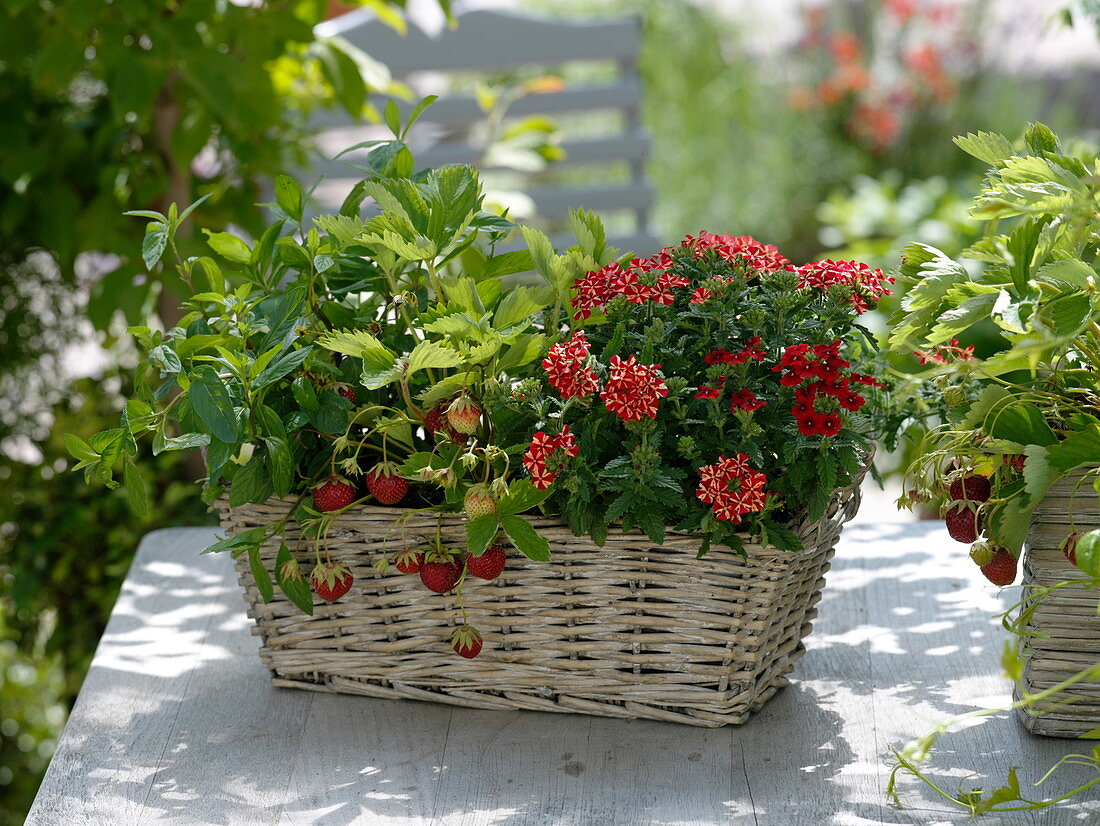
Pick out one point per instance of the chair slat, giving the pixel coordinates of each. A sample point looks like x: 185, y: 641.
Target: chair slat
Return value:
x: 627, y: 147
x: 487, y: 40
x: 460, y: 110
x: 553, y: 202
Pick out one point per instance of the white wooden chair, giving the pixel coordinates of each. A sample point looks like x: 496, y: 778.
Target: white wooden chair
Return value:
x: 604, y: 173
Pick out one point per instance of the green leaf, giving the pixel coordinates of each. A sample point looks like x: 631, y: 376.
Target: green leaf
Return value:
x: 1081, y: 447
x: 931, y: 275
x: 286, y: 363
x: 417, y: 111
x: 358, y: 344
x: 331, y: 415
x: 212, y: 403
x: 428, y: 354
x: 373, y: 378
x: 991, y: 398
x: 480, y: 533
x: 295, y: 587
x: 136, y: 492
x: 985, y: 146
x: 253, y: 537
x: 520, y: 304
x: 251, y: 483
x: 260, y: 574
x: 509, y: 263
x: 1067, y: 271
x: 304, y: 393
x: 525, y: 538
x: 1021, y: 423
x: 281, y: 465
x: 1038, y: 473
x: 154, y: 244
x: 522, y: 495
x: 525, y: 349
x: 393, y: 117
x: 229, y: 247
x: 187, y: 212
x: 80, y: 450
x: 288, y: 195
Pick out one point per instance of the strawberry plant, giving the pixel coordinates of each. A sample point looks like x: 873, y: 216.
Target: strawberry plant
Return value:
x: 1028, y: 414
x: 1020, y: 419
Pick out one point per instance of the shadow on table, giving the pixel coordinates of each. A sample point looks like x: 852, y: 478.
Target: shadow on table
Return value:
x: 264, y: 755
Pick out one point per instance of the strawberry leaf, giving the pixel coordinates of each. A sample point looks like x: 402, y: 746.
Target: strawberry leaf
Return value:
x: 522, y: 496
x: 525, y: 538
x: 480, y: 532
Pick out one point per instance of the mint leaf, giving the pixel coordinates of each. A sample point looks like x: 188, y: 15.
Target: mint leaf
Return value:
x: 238, y: 542
x: 260, y: 574
x: 291, y: 580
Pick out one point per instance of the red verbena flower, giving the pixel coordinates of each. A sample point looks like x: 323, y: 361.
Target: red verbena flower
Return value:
x: 945, y: 353
x: 540, y: 459
x: 732, y: 488
x: 758, y: 256
x: 705, y: 392
x: 633, y: 390
x: 866, y: 282
x: 701, y: 295
x: 565, y: 368
x: 745, y: 400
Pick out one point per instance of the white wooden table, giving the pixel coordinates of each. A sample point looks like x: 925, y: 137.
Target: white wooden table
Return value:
x: 176, y: 722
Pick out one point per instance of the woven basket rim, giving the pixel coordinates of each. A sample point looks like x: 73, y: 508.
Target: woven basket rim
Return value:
x: 674, y: 539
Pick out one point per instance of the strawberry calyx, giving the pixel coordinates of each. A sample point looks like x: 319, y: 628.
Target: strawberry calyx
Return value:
x: 331, y: 580
x: 467, y: 641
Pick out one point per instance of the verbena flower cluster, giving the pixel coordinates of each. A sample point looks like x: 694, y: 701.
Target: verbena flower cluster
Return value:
x: 707, y: 388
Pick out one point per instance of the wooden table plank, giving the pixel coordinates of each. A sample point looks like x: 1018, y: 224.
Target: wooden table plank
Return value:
x: 177, y: 724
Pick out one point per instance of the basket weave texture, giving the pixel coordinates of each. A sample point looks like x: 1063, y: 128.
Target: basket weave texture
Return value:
x: 627, y: 630
x: 1066, y: 619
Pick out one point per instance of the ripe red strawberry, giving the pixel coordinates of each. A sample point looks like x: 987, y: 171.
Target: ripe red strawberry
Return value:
x: 436, y: 422
x: 331, y: 580
x: 972, y: 488
x: 963, y: 523
x: 1001, y: 570
x: 333, y: 494
x: 408, y: 561
x: 463, y: 415
x: 466, y: 641
x: 385, y: 485
x: 1015, y: 461
x: 489, y: 565
x: 347, y: 391
x: 479, y: 502
x: 1069, y: 547
x: 440, y: 571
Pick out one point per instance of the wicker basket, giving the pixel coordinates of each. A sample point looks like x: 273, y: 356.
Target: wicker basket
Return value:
x: 626, y: 630
x: 1066, y: 620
